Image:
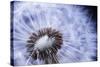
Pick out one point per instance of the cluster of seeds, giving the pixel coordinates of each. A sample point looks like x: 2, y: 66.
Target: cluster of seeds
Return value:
x: 48, y: 55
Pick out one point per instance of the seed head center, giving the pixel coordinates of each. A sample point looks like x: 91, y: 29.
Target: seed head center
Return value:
x: 44, y: 42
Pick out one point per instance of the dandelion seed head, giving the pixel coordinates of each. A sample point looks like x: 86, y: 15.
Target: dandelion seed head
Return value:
x: 52, y: 33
